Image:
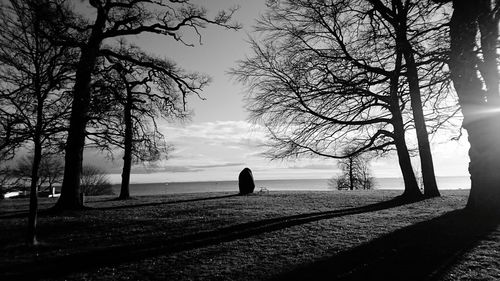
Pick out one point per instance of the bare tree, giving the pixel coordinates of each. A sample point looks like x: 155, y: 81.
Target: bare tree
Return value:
x: 327, y: 76
x: 136, y: 98
x: 408, y: 19
x: 355, y: 172
x: 94, y: 181
x: 34, y: 75
x: 115, y: 20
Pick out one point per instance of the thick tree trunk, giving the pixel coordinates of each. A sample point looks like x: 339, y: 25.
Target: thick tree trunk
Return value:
x: 70, y: 190
x: 480, y: 106
x: 484, y: 166
x: 488, y: 26
x: 128, y: 146
x: 424, y: 148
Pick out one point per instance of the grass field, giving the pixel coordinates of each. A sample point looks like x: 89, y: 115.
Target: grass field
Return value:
x: 334, y: 235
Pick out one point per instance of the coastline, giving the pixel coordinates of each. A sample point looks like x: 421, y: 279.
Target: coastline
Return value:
x: 162, y: 188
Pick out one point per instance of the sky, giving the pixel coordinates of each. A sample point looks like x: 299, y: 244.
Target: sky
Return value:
x: 219, y: 141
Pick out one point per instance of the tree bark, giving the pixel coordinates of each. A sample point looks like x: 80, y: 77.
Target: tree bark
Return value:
x: 33, y: 208
x: 70, y: 189
x: 37, y: 141
x: 351, y: 176
x: 403, y: 45
x: 37, y: 158
x: 424, y: 148
x: 411, y: 191
x: 488, y: 26
x: 128, y: 146
x: 480, y: 106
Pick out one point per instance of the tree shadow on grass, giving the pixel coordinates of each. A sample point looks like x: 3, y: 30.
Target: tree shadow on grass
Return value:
x: 423, y: 251
x: 51, y: 211
x: 165, y: 203
x: 156, y: 246
x: 14, y: 214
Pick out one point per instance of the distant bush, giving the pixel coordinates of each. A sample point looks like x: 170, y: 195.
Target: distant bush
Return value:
x: 339, y: 183
x: 343, y: 183
x: 355, y: 172
x: 93, y: 181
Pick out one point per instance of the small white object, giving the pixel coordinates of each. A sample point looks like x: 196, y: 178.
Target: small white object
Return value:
x: 11, y: 194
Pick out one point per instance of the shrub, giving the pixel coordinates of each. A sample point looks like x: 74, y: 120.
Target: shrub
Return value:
x: 343, y: 183
x: 94, y: 181
x: 355, y: 172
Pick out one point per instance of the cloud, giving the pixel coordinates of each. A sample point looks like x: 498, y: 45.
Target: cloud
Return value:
x: 220, y: 165
x: 155, y: 168
x: 219, y: 150
x: 316, y: 167
x: 233, y: 134
x: 214, y: 143
x: 170, y: 169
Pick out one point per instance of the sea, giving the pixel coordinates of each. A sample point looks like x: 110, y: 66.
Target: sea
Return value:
x: 164, y: 188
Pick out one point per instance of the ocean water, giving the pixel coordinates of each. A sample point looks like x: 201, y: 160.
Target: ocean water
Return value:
x: 274, y: 185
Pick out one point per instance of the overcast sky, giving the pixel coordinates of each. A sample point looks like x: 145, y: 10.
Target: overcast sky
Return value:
x: 219, y: 141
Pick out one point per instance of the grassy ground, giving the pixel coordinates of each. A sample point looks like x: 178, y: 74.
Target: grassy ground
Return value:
x: 275, y: 236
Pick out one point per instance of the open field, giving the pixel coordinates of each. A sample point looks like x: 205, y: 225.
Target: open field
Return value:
x: 333, y: 235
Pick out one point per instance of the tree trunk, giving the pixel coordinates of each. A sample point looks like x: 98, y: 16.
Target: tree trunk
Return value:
x: 35, y: 166
x: 479, y: 106
x: 488, y: 27
x: 128, y: 139
x: 351, y: 176
x: 33, y: 209
x: 484, y: 153
x: 37, y: 138
x: 70, y: 189
x: 411, y: 191
x: 424, y: 148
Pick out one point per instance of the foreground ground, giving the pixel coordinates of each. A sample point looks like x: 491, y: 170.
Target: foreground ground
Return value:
x: 272, y: 236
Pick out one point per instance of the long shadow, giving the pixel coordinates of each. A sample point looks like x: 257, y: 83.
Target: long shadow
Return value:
x: 424, y: 251
x: 50, y: 211
x: 13, y: 214
x: 22, y: 214
x: 58, y: 266
x: 166, y: 203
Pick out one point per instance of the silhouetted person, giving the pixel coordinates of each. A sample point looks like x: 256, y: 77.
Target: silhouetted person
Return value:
x: 245, y: 182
